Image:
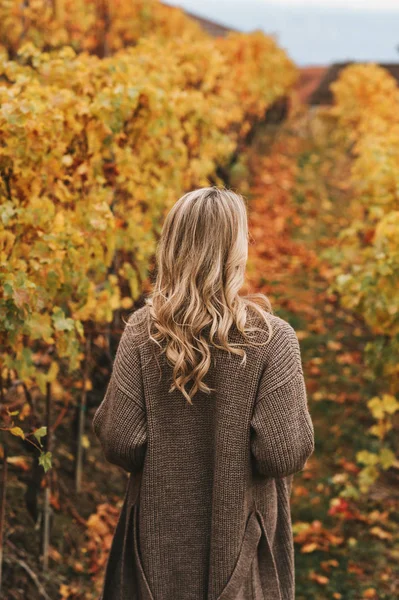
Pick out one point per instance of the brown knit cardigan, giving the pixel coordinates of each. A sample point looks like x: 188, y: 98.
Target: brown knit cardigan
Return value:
x: 206, y: 515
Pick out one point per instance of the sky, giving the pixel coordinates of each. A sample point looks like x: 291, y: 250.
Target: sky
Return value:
x: 353, y: 4
x: 314, y: 32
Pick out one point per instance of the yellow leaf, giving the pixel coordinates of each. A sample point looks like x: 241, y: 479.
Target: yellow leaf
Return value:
x: 367, y: 477
x: 391, y: 405
x: 126, y: 302
x: 381, y: 533
x: 53, y: 372
x: 376, y: 407
x: 380, y: 429
x: 19, y: 461
x: 59, y: 223
x: 17, y: 431
x: 387, y: 458
x: 366, y: 457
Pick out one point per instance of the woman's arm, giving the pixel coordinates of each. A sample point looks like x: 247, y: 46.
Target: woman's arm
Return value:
x: 282, y: 434
x: 120, y: 421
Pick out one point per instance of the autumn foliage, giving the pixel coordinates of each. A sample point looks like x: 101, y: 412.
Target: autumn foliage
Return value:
x: 367, y: 110
x: 366, y: 107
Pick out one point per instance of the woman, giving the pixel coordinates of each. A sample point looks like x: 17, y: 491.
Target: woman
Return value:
x: 207, y: 410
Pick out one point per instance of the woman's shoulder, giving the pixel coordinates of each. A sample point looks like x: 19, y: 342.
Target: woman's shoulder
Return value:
x: 283, y: 329
x: 278, y: 339
x: 282, y: 355
x: 136, y: 327
x: 280, y: 329
x: 139, y: 314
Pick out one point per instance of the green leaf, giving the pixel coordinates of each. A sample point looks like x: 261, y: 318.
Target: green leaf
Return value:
x: 39, y: 433
x: 8, y: 291
x: 45, y: 460
x: 40, y: 327
x: 62, y: 323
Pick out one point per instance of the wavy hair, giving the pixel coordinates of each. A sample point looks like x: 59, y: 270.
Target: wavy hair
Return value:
x: 201, y: 260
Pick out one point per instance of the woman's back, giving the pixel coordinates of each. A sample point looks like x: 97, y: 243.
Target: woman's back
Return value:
x: 206, y: 515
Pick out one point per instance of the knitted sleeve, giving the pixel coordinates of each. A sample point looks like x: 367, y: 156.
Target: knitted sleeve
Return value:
x: 282, y: 434
x: 120, y: 421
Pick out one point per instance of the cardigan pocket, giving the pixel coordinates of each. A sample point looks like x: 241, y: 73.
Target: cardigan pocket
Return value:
x: 143, y: 586
x: 234, y: 588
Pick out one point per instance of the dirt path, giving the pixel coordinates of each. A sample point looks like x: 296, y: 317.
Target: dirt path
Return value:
x: 345, y: 541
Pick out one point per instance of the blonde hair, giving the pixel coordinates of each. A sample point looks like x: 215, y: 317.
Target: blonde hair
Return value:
x: 201, y: 259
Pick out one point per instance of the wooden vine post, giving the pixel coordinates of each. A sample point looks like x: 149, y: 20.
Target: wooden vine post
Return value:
x: 82, y: 417
x: 3, y: 509
x: 47, y: 490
